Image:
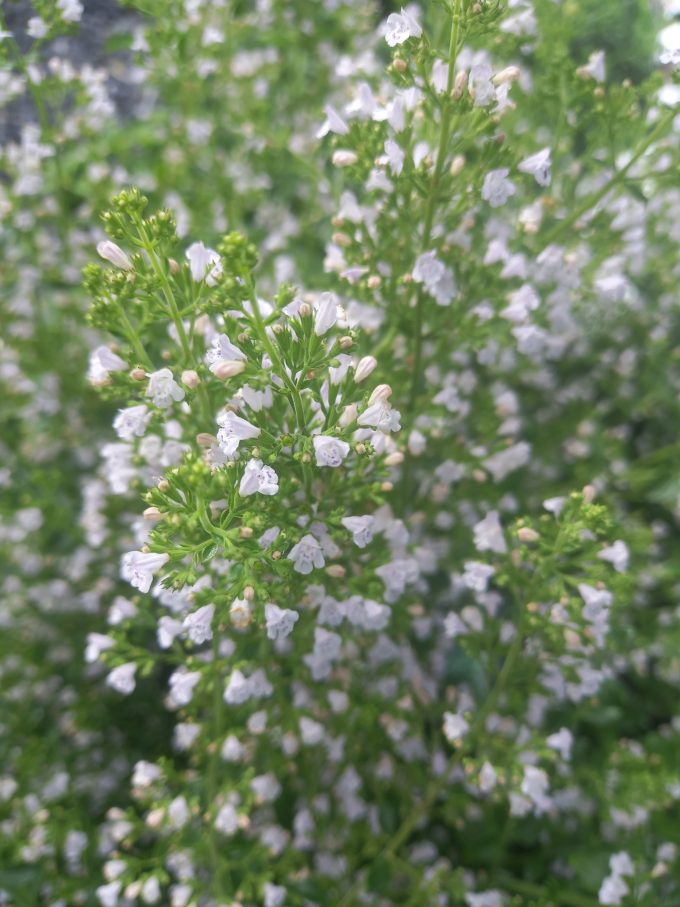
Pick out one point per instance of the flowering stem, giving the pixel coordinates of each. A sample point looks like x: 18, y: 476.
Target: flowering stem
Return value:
x: 546, y: 895
x: 213, y: 771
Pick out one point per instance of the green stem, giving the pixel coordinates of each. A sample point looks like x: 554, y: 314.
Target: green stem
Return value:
x: 135, y: 342
x: 546, y: 895
x: 213, y: 770
x: 596, y: 197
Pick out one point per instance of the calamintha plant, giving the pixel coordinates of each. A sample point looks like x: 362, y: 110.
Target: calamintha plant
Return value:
x: 391, y: 541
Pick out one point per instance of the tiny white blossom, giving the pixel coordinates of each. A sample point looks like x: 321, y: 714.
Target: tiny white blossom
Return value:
x: 238, y: 689
x: 182, y: 683
x: 279, y: 621
x: 380, y: 415
x: 325, y: 313
x: 233, y: 430
x: 455, y: 726
x: 122, y: 678
x: 400, y: 27
x: 361, y: 528
x: 71, y: 10
x: 103, y: 361
x: 138, y: 568
x: 258, y: 478
x: 204, y: 263
x: 612, y: 891
x: 226, y: 820
x: 488, y: 534
x: 497, y: 188
x: 274, y: 895
x: 199, y: 624
x: 163, y: 388
x: 131, y: 423
x: 113, y: 253
x: 222, y: 350
x: 538, y: 165
x: 306, y: 555
x: 329, y: 451
x: 395, y: 156
x: 617, y: 555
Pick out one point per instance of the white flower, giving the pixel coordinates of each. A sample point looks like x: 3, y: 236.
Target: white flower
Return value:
x: 139, y: 567
x: 400, y: 27
x: 204, y: 263
x: 506, y: 461
x: 455, y: 726
x: 199, y: 624
x: 325, y: 313
x: 131, y: 423
x: 71, y: 10
x: 538, y: 165
x: 238, y: 689
x: 113, y: 253
x: 480, y: 85
x: 428, y: 269
x: 178, y: 813
x: 361, y: 528
x: 226, y: 820
x: 595, y: 67
x: 380, y: 415
x: 620, y: 864
x: 488, y: 534
x: 145, y: 774
x: 477, y: 575
x: 103, y: 361
x: 108, y: 894
x: 232, y: 749
x: 122, y: 678
x: 329, y: 451
x: 497, y: 188
x: 279, y: 621
x: 395, y: 156
x: 182, y: 683
x: 96, y: 644
x: 274, y: 895
x: 535, y: 786
x: 617, y: 555
x: 487, y: 778
x: 561, y: 741
x: 168, y: 629
x: 222, y: 350
x: 233, y: 430
x: 163, y: 389
x: 258, y: 478
x: 36, y: 27
x: 612, y: 891
x: 306, y: 555
x: 333, y: 123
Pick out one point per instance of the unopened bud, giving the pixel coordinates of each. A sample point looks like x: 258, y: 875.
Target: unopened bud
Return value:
x: 526, y: 534
x: 509, y: 74
x: 345, y: 343
x: 163, y: 485
x: 349, y: 415
x: 190, y: 378
x: 278, y: 328
x: 204, y: 439
x: 457, y: 165
x: 138, y: 374
x: 305, y: 310
x: 249, y: 593
x: 479, y: 475
x: 276, y: 555
x: 459, y: 85
x: 113, y: 253
x: 380, y: 393
x: 336, y: 570
x: 153, y: 514
x: 341, y: 239
x: 360, y: 448
x: 374, y: 281
x: 396, y: 458
x: 364, y: 368
x: 589, y: 493
x: 400, y: 65
x: 306, y: 458
x: 246, y: 532
x: 173, y: 267
x: 344, y: 158
x: 228, y: 368
x: 240, y: 614
x: 386, y: 486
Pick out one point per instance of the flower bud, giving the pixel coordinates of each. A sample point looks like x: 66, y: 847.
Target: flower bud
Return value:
x: 457, y: 165
x: 380, y: 393
x: 396, y: 458
x: 113, y: 253
x: 190, y: 378
x: 459, y: 85
x: 349, y: 415
x: 246, y: 532
x: 337, y: 571
x: 400, y: 65
x: 305, y: 310
x: 163, y: 485
x: 240, y: 614
x: 509, y: 74
x: 386, y: 486
x: 364, y: 368
x: 360, y: 448
x: 153, y: 514
x: 249, y: 593
x: 173, y: 266
x: 526, y: 534
x: 374, y: 281
x: 589, y: 493
x: 228, y: 368
x: 204, y: 439
x: 344, y: 158
x: 138, y: 374
x: 345, y: 343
